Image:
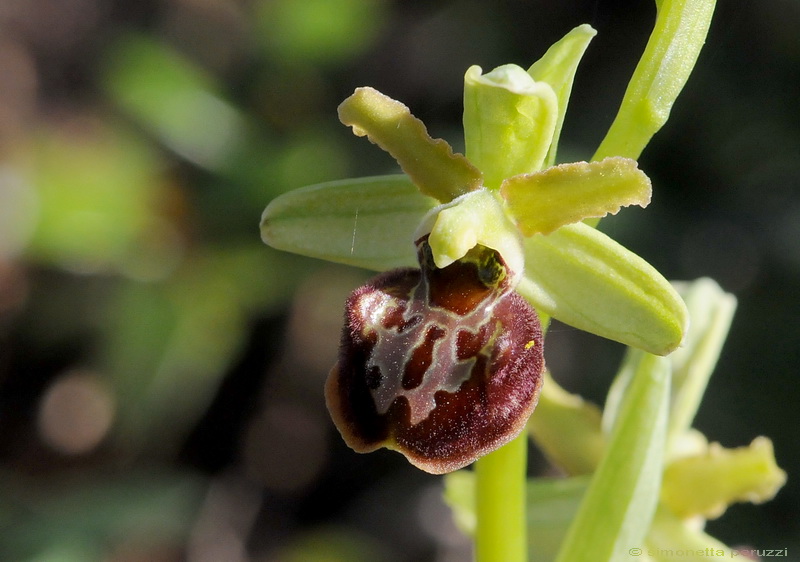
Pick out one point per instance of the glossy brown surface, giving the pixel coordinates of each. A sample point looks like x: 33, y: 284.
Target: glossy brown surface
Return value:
x: 445, y: 380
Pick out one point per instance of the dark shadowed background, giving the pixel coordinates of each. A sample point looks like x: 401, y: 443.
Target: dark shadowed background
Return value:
x: 161, y: 369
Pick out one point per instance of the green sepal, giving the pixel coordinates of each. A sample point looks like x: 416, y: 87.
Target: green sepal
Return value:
x: 557, y: 67
x: 365, y: 222
x: 509, y: 121
x: 568, y: 193
x: 619, y: 505
x: 431, y: 163
x: 583, y: 278
x: 475, y: 218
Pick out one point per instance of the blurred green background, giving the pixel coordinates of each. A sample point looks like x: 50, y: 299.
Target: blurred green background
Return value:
x: 161, y: 369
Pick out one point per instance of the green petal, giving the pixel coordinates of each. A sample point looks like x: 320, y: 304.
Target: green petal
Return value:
x: 622, y: 496
x: 509, y: 121
x: 565, y: 194
x: 430, y: 163
x: 583, y: 278
x: 707, y: 483
x: 475, y: 218
x: 711, y: 311
x: 366, y: 222
x: 557, y: 67
x: 679, y: 33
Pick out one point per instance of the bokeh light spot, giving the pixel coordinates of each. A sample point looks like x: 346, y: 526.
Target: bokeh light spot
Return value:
x: 76, y: 413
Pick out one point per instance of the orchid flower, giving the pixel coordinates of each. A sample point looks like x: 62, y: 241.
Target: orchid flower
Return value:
x: 441, y: 355
x: 500, y: 208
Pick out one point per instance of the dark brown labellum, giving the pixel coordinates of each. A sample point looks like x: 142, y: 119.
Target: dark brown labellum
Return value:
x: 443, y: 365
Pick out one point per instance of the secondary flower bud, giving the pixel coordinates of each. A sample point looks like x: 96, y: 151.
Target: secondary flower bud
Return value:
x: 441, y: 364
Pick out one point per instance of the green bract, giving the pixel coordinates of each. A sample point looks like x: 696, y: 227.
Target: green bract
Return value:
x: 668, y: 59
x: 634, y: 476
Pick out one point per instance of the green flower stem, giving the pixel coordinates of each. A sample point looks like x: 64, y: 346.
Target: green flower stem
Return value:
x: 552, y: 504
x: 679, y: 33
x: 500, y: 535
x: 501, y: 505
